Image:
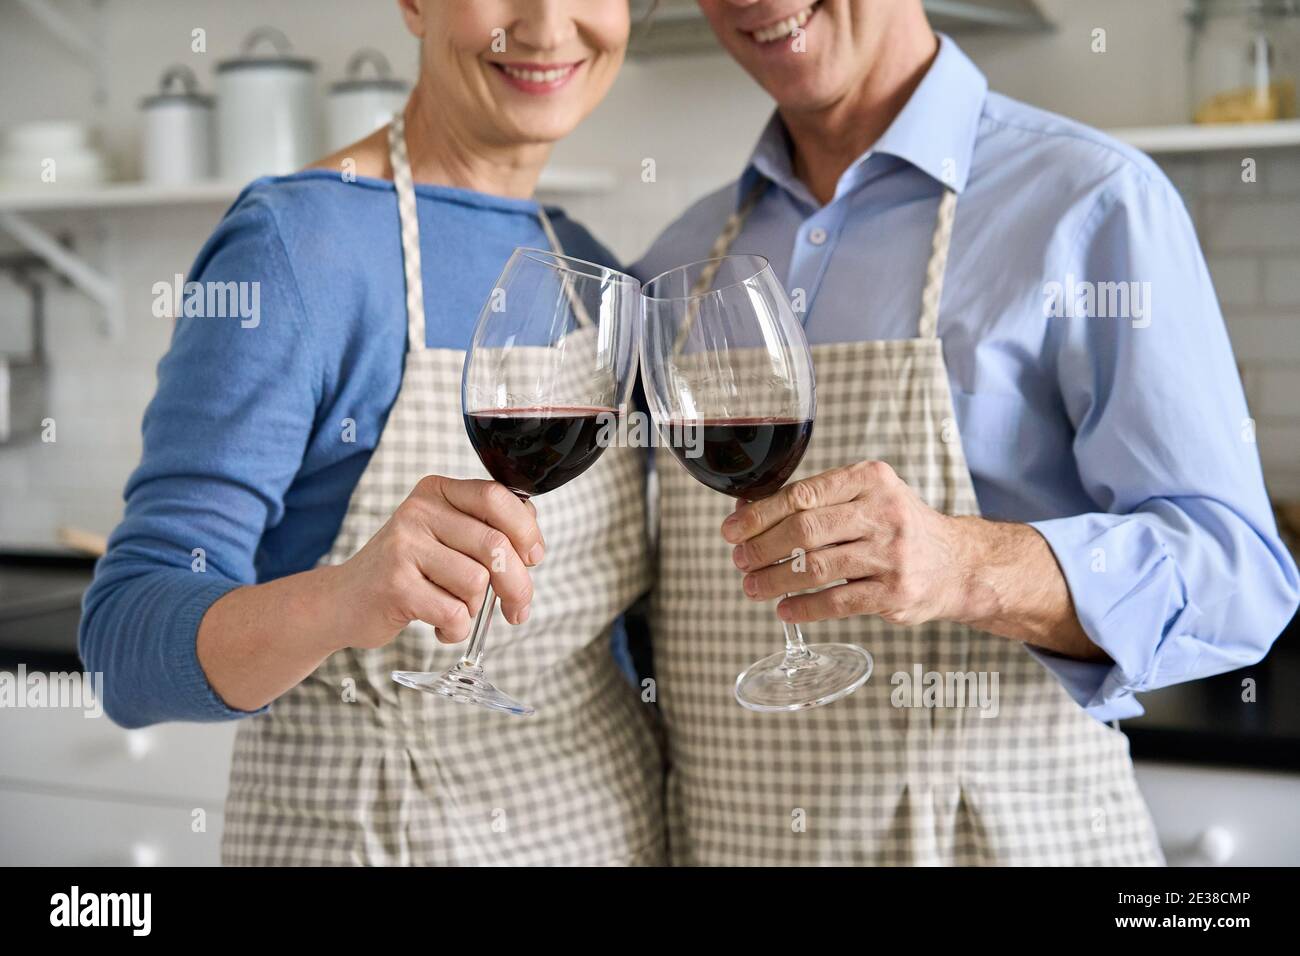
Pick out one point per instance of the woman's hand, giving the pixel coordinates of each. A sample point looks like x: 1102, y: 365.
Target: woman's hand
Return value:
x: 433, y: 559
x: 861, y: 524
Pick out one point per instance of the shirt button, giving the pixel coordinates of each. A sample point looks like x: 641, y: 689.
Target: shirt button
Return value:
x: 817, y: 236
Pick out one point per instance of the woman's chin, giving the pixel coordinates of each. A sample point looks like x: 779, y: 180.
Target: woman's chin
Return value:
x: 533, y: 126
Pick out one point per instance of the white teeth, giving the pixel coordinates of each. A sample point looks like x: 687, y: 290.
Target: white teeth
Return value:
x: 778, y: 31
x: 537, y: 76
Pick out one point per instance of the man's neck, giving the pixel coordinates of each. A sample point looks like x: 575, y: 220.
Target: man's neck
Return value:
x: 444, y: 153
x: 825, y: 142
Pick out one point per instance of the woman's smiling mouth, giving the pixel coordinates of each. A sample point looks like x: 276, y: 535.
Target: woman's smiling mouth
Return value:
x: 537, y: 77
x: 772, y: 32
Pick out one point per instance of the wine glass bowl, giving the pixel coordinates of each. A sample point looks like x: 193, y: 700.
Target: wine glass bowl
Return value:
x: 546, y: 376
x: 730, y: 382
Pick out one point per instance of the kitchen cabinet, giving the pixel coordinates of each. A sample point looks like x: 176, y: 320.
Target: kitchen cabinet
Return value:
x: 42, y: 828
x: 80, y: 790
x: 61, y: 748
x: 1215, y: 816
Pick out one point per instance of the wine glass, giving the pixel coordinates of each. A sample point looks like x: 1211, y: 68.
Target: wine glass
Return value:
x: 546, y: 375
x: 729, y: 379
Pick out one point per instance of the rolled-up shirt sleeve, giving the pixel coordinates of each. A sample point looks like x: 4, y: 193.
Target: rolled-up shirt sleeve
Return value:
x: 1179, y: 573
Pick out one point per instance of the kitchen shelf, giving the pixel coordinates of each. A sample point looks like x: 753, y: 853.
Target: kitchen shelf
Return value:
x: 1193, y: 138
x: 15, y: 205
x: 577, y: 181
x: 557, y: 181
x: 52, y: 198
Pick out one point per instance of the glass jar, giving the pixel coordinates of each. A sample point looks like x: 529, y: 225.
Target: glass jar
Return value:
x: 1245, y: 58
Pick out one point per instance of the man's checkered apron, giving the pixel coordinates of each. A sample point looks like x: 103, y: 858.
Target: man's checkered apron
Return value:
x: 863, y: 781
x: 349, y: 767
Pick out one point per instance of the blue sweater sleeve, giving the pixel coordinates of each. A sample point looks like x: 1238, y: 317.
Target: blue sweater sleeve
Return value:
x: 224, y: 437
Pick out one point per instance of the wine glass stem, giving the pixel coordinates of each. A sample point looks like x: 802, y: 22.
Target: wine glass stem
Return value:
x: 473, y: 656
x: 796, y: 651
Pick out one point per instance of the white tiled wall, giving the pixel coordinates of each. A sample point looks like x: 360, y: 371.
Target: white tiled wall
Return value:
x: 696, y: 117
x: 1251, y: 235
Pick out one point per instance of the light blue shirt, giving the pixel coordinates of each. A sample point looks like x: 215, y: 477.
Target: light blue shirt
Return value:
x: 1118, y: 429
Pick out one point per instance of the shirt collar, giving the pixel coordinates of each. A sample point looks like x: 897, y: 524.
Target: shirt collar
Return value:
x: 935, y: 131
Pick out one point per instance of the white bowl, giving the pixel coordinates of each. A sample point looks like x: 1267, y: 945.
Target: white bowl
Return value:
x: 80, y: 167
x: 46, y: 136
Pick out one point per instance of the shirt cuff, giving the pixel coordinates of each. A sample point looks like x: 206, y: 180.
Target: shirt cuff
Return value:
x: 1096, y: 687
x: 1127, y: 593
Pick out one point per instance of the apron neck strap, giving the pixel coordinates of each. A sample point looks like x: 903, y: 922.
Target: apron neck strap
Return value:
x: 934, y: 272
x: 927, y: 327
x: 722, y: 245
x: 408, y: 217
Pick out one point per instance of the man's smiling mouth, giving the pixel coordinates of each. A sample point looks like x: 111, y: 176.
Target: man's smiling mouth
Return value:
x: 783, y: 28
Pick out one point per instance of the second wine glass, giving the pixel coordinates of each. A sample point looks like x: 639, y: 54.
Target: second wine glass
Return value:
x: 729, y: 379
x: 545, y: 378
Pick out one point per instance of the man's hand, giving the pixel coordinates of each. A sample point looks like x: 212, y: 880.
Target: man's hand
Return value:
x: 901, y: 560
x: 860, y: 523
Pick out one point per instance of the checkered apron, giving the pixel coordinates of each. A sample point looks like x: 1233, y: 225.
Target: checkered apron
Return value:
x: 873, y: 779
x: 351, y: 768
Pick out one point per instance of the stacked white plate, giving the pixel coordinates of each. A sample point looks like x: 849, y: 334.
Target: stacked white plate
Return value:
x: 50, y: 153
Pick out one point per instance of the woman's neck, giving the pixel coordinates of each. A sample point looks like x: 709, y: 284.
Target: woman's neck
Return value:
x: 443, y: 152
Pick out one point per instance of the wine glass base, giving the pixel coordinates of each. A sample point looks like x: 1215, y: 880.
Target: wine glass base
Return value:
x: 464, y: 685
x: 831, y: 672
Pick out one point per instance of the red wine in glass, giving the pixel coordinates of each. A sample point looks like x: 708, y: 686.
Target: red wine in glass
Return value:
x: 748, y: 458
x: 535, y: 450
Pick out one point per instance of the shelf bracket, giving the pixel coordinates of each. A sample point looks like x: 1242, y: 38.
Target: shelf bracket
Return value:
x: 81, y: 41
x: 72, y: 267
x: 58, y: 23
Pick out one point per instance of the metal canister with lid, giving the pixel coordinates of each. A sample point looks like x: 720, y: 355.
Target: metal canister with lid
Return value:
x: 359, y: 105
x: 268, y: 116
x: 177, y: 145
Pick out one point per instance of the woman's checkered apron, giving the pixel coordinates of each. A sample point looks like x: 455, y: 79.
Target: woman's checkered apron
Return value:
x: 349, y: 767
x: 863, y: 780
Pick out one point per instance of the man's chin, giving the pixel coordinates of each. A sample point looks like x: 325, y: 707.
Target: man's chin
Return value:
x: 799, y: 94
x: 793, y: 85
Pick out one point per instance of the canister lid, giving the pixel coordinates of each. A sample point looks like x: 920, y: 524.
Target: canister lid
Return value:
x: 282, y: 59
x: 383, y: 79
x: 178, y: 85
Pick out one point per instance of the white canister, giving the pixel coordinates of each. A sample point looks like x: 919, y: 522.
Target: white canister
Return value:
x: 267, y: 114
x: 177, y: 131
x: 358, y: 105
